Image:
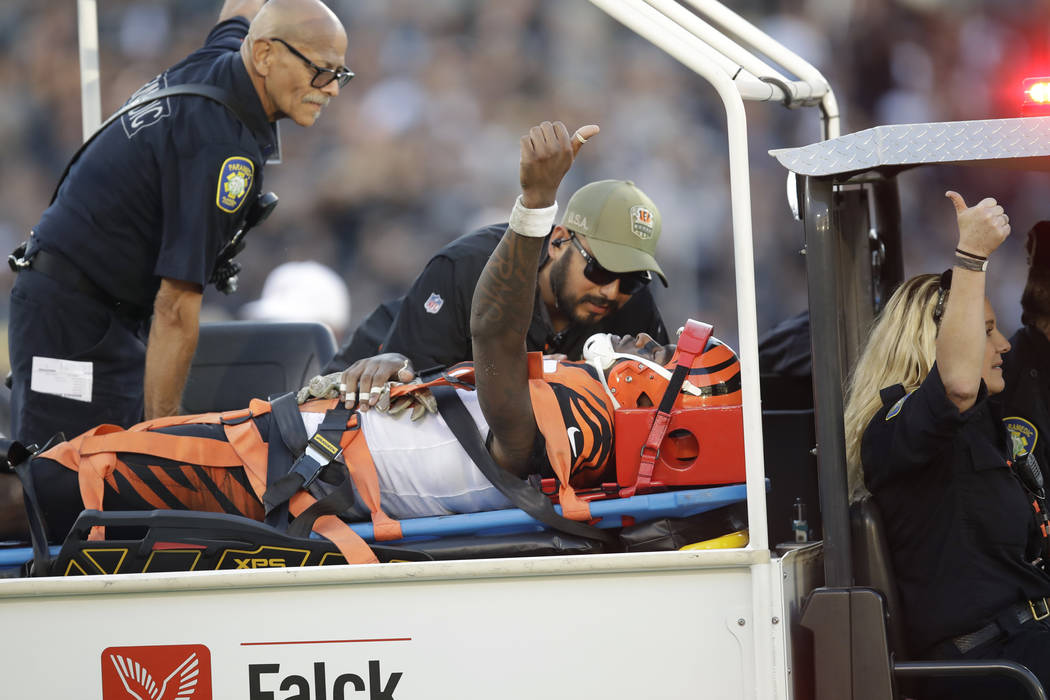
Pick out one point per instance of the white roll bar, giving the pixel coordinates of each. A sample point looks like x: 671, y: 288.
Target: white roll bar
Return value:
x: 811, y: 84
x: 90, y: 92
x: 727, y: 58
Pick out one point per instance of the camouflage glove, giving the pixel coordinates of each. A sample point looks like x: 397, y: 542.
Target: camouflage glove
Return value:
x: 329, y: 386
x: 421, y: 401
x: 320, y: 387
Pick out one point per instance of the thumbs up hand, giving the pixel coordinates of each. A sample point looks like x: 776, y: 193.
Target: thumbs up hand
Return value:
x: 547, y: 152
x: 982, y: 227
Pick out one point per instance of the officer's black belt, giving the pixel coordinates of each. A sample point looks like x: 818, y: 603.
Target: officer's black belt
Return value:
x: 1038, y: 609
x: 69, y: 275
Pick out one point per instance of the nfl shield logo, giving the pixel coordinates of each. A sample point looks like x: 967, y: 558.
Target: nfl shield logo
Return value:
x: 434, y: 303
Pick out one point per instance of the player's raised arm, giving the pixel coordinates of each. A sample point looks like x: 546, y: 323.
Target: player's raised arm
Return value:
x: 502, y: 306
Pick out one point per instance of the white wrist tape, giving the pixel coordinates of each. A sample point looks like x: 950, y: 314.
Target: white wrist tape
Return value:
x: 534, y: 223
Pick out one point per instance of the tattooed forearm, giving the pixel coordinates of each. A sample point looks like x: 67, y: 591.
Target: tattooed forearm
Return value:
x: 500, y: 315
x: 503, y: 297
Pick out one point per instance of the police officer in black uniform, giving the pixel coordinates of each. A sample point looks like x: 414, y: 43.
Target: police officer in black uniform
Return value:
x: 1026, y: 399
x: 104, y: 314
x: 594, y: 277
x: 963, y: 535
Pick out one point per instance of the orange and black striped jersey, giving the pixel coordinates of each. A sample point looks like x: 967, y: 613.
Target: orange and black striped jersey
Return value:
x: 587, y: 413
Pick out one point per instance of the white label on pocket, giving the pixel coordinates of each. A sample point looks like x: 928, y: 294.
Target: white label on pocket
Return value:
x: 65, y: 378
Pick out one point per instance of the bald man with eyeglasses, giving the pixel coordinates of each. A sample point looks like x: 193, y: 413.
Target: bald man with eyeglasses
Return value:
x: 105, y: 308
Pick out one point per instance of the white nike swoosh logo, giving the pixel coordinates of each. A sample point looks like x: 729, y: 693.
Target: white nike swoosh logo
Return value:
x: 572, y: 442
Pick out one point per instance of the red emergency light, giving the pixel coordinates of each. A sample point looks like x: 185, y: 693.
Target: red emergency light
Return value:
x: 1036, y: 97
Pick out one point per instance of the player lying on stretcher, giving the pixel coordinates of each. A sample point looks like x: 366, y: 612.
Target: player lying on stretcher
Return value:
x: 398, y: 467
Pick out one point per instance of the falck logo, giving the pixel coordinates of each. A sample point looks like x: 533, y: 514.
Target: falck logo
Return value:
x: 170, y: 672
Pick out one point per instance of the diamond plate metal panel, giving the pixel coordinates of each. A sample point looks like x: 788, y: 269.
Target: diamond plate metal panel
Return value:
x: 903, y: 145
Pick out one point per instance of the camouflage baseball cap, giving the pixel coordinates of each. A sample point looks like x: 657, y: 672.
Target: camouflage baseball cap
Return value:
x: 621, y: 225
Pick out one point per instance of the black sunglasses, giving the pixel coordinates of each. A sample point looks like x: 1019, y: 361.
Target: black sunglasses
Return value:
x: 322, y: 76
x: 630, y: 282
x: 944, y: 285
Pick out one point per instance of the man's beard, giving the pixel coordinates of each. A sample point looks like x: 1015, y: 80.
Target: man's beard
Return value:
x: 572, y: 307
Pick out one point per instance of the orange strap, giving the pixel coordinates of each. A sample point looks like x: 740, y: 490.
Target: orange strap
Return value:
x: 257, y: 407
x: 318, y: 405
x: 179, y: 448
x: 349, y: 543
x: 166, y: 421
x: 247, y: 442
x: 550, y: 422
x: 362, y: 471
x: 456, y: 375
x: 68, y: 453
x: 690, y: 346
x: 92, y: 470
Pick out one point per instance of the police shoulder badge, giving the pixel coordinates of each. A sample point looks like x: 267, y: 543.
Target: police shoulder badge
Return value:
x: 235, y: 181
x: 896, y: 408
x: 1023, y: 434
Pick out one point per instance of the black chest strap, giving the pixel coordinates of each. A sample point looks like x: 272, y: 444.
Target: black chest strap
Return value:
x: 310, y: 454
x: 523, y: 496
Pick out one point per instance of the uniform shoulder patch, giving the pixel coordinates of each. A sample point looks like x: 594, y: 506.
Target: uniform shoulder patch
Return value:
x: 147, y: 113
x: 1023, y: 434
x: 235, y: 182
x: 433, y: 303
x: 896, y: 408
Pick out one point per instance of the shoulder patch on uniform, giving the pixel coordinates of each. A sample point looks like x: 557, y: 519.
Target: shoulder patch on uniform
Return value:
x: 147, y: 113
x: 1023, y: 434
x: 433, y: 303
x: 896, y: 408
x: 235, y: 181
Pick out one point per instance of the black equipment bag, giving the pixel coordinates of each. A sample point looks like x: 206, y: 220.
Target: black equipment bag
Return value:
x: 668, y: 534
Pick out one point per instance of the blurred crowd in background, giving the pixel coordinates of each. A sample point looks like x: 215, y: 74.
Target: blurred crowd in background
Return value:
x: 422, y: 146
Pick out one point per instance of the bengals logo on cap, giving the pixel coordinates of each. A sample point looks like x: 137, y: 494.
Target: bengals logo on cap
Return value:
x: 642, y: 222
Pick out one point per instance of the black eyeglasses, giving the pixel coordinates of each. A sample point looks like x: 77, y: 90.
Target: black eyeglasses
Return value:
x: 322, y: 76
x: 630, y: 282
x: 944, y: 285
